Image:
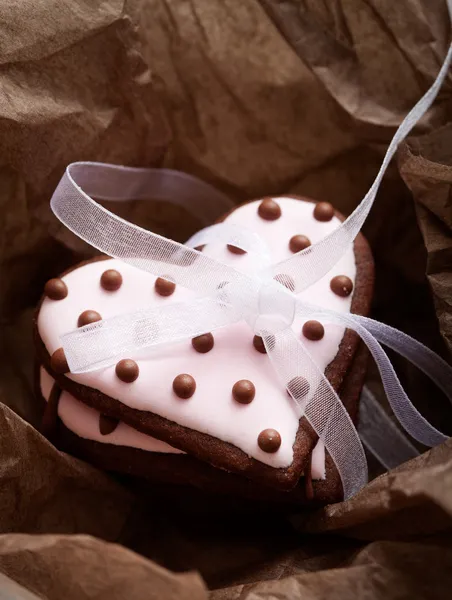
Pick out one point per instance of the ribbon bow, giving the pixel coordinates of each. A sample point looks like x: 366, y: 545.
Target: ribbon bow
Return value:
x: 225, y: 296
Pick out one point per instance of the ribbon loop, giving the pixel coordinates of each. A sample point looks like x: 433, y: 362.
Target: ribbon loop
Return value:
x: 121, y: 239
x: 117, y: 183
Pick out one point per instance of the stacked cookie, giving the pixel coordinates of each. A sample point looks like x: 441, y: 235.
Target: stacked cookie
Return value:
x: 209, y: 412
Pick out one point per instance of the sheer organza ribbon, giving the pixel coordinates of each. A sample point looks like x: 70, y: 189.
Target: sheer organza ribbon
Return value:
x: 224, y: 296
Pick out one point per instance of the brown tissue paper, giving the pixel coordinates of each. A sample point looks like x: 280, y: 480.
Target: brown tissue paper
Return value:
x: 256, y: 98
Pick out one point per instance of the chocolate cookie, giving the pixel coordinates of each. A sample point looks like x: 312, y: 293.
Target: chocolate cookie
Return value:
x: 185, y: 396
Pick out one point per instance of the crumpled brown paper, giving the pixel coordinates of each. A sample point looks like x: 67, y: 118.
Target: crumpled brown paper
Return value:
x: 257, y: 98
x: 426, y: 167
x: 80, y: 574
x: 74, y: 87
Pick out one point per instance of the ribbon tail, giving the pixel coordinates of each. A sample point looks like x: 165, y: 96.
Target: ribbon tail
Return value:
x: 101, y: 344
x: 380, y: 435
x: 437, y: 369
x: 407, y: 414
x: 432, y: 365
x: 309, y: 265
x: 320, y: 404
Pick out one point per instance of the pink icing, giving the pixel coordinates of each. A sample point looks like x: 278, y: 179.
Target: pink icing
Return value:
x: 211, y: 409
x: 84, y: 422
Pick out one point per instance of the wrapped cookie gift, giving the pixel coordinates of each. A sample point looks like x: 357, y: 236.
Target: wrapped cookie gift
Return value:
x: 212, y: 399
x: 202, y: 405
x: 232, y: 363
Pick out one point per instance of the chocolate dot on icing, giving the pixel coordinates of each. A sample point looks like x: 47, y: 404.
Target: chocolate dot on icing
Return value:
x: 203, y: 343
x: 258, y: 343
x: 269, y: 210
x: 200, y: 248
x: 285, y: 280
x: 164, y: 287
x: 87, y: 317
x: 58, y: 362
x: 127, y: 370
x: 298, y: 387
x: 243, y: 391
x: 184, y: 386
x: 313, y: 330
x: 235, y: 249
x: 56, y: 289
x: 107, y: 424
x: 341, y: 285
x: 323, y: 211
x: 269, y: 440
x: 298, y: 243
x: 111, y: 280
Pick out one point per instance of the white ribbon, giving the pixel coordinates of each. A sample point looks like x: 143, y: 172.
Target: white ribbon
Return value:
x: 227, y: 296
x: 380, y: 435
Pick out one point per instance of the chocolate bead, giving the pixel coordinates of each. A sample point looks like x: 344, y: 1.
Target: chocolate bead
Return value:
x: 107, y: 424
x: 298, y: 243
x: 235, y: 250
x: 341, y: 285
x: 164, y: 287
x: 58, y: 362
x: 127, y: 370
x: 313, y: 330
x: 258, y: 343
x: 200, y: 248
x: 285, y: 280
x: 184, y: 386
x: 243, y: 391
x: 87, y: 317
x: 111, y: 280
x: 323, y: 211
x: 298, y: 387
x: 269, y: 440
x: 56, y: 289
x: 203, y: 343
x: 269, y: 210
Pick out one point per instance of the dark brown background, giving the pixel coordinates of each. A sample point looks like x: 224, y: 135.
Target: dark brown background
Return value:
x: 257, y: 98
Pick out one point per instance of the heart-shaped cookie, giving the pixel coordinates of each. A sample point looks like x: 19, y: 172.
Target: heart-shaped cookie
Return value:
x: 217, y: 396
